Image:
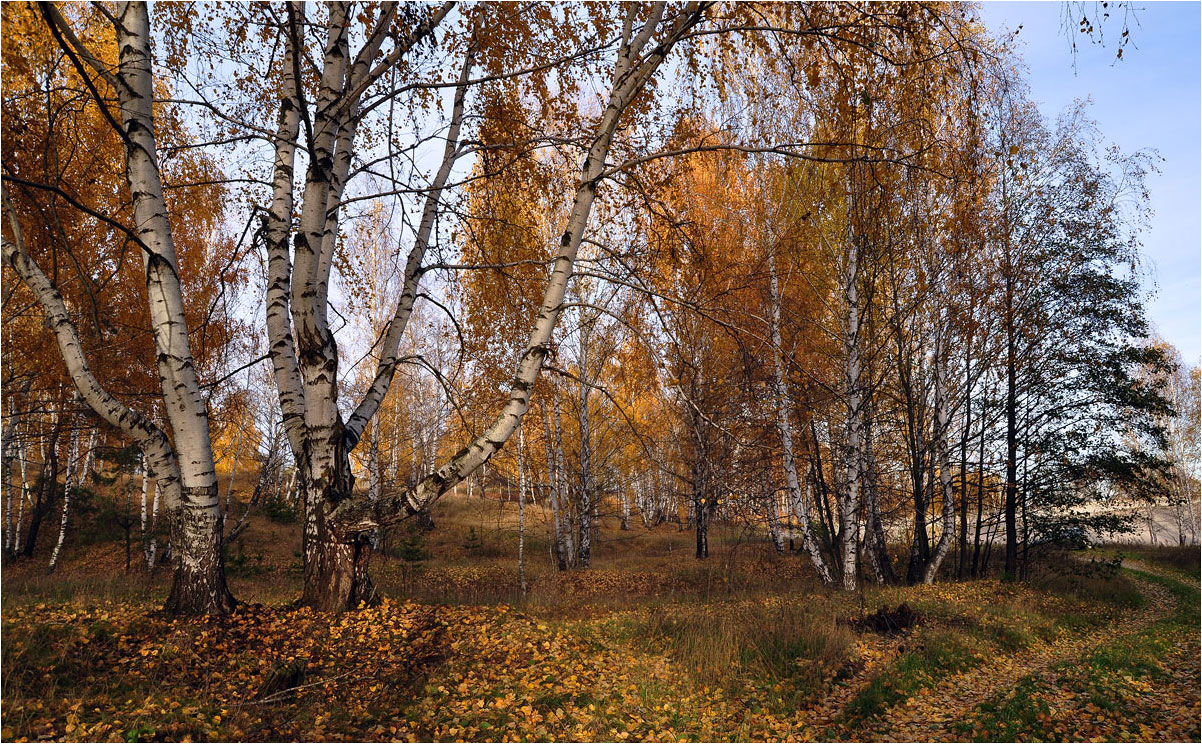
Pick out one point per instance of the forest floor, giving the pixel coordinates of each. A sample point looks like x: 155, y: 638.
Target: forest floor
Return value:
x: 648, y: 644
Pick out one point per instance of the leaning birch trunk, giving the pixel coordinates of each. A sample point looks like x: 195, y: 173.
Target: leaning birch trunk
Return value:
x: 68, y: 492
x: 635, y: 65
x: 199, y: 585
x: 798, y: 502
x: 187, y: 467
x: 948, y: 532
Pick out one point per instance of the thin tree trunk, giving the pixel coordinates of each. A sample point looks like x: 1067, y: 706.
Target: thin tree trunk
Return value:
x: 798, y: 503
x: 16, y: 544
x: 976, y: 548
x: 9, y: 481
x: 962, y: 558
x: 152, y: 545
x: 585, y: 505
x: 521, y: 514
x: 561, y: 473
x: 145, y: 510
x: 86, y: 471
x: 68, y: 492
x: 1011, y: 565
x: 878, y: 548
x: 948, y: 522
x: 47, y: 485
x: 701, y: 512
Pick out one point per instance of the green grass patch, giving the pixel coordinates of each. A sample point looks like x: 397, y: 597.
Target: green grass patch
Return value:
x: 1109, y: 682
x: 936, y: 653
x: 1021, y: 714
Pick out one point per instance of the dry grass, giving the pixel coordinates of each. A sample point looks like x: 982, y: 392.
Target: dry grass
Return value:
x: 737, y: 646
x: 781, y: 642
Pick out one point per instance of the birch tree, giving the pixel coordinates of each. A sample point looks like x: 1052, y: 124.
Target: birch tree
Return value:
x: 302, y: 345
x: 184, y: 464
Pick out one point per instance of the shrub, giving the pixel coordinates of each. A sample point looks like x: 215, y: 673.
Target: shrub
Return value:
x: 279, y: 509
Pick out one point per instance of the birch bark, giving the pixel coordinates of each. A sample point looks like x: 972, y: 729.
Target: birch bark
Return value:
x: 199, y: 584
x: 68, y: 492
x: 637, y: 62
x: 798, y: 502
x: 185, y: 464
x: 948, y: 531
x: 849, y: 505
x: 553, y: 494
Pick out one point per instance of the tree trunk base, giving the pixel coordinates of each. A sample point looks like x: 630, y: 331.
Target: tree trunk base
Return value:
x: 198, y: 586
x: 336, y: 578
x: 196, y: 593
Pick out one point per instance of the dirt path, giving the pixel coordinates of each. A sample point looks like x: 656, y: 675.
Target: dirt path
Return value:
x: 931, y: 713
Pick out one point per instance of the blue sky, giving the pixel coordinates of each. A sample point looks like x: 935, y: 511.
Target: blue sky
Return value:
x: 1148, y: 100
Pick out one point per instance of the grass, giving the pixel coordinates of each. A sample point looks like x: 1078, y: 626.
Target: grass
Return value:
x: 647, y: 644
x: 793, y: 647
x: 1113, y: 684
x: 1094, y: 582
x: 1021, y: 715
x: 933, y: 653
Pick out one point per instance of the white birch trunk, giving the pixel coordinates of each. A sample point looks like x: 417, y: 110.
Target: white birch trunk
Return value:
x: 521, y: 514
x: 68, y: 492
x: 635, y: 65
x: 774, y: 529
x: 89, y: 457
x: 561, y: 471
x: 186, y: 467
x: 799, y: 502
x: 24, y: 496
x: 199, y: 585
x: 553, y: 495
x: 849, y: 505
x: 585, y: 503
x: 152, y: 546
x: 948, y: 521
x: 10, y: 484
x: 373, y: 465
x: 145, y: 500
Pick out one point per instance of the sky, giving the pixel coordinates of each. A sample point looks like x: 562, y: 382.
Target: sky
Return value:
x: 1150, y: 99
